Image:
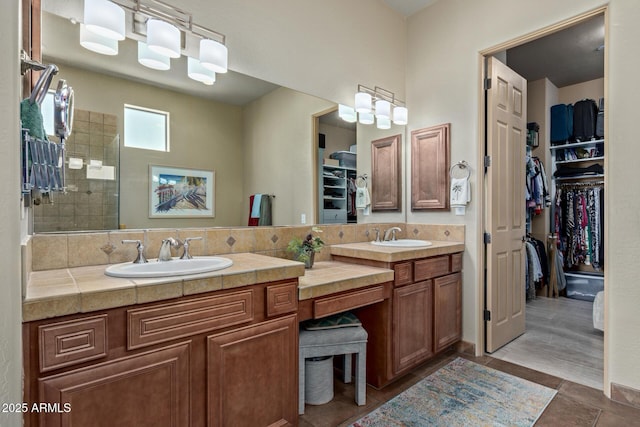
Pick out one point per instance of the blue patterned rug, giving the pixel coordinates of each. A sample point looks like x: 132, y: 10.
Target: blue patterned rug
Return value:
x: 464, y: 393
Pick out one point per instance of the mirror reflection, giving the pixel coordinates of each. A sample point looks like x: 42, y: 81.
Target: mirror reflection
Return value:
x: 257, y: 137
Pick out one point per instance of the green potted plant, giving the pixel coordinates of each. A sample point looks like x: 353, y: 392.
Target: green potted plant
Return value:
x: 305, y: 250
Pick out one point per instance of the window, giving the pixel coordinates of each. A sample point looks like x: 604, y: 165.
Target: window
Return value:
x: 145, y: 128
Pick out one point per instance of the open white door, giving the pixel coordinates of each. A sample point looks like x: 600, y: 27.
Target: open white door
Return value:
x: 505, y: 205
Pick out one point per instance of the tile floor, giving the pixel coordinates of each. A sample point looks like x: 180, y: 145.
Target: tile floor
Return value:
x: 573, y: 405
x: 559, y: 340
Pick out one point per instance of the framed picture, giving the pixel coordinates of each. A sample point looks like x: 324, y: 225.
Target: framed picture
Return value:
x: 181, y: 192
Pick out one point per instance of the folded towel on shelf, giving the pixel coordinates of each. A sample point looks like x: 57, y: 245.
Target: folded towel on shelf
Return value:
x: 460, y: 194
x: 255, y: 209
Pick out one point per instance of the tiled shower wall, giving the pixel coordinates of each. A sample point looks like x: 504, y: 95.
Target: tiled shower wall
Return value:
x: 88, y: 204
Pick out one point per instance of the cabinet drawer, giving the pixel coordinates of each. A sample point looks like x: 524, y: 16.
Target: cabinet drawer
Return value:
x: 328, y: 306
x: 282, y: 298
x: 334, y: 216
x: 456, y: 262
x: 76, y: 341
x: 165, y: 322
x: 403, y: 273
x: 431, y: 267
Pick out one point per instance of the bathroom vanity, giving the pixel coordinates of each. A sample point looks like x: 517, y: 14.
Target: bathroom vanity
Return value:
x: 221, y: 348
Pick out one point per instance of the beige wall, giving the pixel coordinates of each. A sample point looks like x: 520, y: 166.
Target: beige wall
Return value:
x: 278, y: 156
x: 593, y: 89
x: 336, y: 138
x: 451, y: 94
x: 203, y: 135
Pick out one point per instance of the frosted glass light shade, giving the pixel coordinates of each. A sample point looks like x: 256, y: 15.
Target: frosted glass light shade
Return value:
x: 383, y: 109
x: 363, y: 102
x: 366, y: 118
x: 97, y: 43
x: 104, y: 18
x: 163, y: 38
x: 152, y: 59
x: 383, y: 123
x: 213, y: 55
x: 400, y: 115
x: 197, y: 72
x: 346, y: 113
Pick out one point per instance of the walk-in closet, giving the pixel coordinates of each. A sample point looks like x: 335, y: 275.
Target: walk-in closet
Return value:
x: 565, y: 177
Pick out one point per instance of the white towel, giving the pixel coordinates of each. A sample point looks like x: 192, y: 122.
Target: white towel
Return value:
x: 460, y: 192
x: 362, y: 198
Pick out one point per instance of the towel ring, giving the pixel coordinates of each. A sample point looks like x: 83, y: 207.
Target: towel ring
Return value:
x: 361, y: 182
x: 462, y: 166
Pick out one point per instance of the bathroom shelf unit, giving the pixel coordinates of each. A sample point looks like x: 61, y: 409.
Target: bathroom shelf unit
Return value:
x: 334, y: 194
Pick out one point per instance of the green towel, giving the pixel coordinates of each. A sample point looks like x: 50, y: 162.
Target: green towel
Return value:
x: 31, y: 117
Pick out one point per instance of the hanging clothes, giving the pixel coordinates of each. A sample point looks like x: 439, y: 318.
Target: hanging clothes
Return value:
x: 537, y: 190
x: 578, y: 221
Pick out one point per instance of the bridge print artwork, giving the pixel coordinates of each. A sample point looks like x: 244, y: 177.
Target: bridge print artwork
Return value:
x: 180, y: 192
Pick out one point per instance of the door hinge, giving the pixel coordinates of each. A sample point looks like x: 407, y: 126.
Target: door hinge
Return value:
x: 487, y: 161
x: 487, y: 238
x: 487, y: 83
x: 487, y: 315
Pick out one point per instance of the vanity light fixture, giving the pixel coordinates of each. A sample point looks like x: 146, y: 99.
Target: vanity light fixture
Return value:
x: 163, y: 38
x: 97, y: 43
x: 346, y: 113
x: 213, y: 55
x: 167, y: 30
x: 366, y: 118
x: 378, y: 102
x: 104, y: 18
x: 197, y: 72
x: 152, y: 59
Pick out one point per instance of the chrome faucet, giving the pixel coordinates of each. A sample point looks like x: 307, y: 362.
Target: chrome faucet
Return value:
x: 165, y: 248
x: 392, y: 232
x: 186, y: 254
x: 140, y: 259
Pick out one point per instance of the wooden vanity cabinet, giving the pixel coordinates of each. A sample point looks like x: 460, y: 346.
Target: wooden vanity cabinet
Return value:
x: 426, y: 315
x: 216, y: 359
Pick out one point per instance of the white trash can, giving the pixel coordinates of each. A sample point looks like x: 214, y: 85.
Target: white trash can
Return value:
x: 318, y: 386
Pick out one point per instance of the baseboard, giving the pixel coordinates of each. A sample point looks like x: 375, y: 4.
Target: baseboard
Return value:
x: 626, y: 395
x: 466, y: 347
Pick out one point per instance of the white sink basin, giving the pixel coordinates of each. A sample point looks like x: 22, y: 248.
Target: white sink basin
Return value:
x: 175, y: 267
x: 404, y: 243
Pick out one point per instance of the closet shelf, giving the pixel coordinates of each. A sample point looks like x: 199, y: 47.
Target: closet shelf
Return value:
x: 586, y: 159
x: 566, y: 178
x: 334, y: 198
x: 576, y: 144
x: 341, y: 187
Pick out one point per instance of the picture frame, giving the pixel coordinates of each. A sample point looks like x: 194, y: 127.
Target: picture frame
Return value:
x: 181, y: 192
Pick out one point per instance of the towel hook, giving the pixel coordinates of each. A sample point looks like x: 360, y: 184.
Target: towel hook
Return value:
x: 463, y: 166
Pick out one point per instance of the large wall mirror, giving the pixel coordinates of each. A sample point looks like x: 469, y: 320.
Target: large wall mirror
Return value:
x: 256, y: 136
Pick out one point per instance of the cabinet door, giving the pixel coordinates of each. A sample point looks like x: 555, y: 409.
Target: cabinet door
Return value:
x: 386, y: 181
x: 447, y: 310
x: 412, y: 325
x: 252, y: 375
x: 150, y: 389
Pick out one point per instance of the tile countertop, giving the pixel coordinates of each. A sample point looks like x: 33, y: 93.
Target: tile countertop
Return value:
x: 329, y: 277
x: 390, y: 254
x: 65, y: 291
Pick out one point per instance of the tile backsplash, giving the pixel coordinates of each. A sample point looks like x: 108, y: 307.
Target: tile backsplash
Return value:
x: 55, y: 251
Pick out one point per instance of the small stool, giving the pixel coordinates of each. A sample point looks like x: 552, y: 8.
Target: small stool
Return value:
x: 329, y: 342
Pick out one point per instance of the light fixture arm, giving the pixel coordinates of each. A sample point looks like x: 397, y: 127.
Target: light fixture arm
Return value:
x: 378, y: 93
x: 181, y: 19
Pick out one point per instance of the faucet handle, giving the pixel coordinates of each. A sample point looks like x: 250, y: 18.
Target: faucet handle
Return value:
x: 140, y: 259
x: 377, y: 230
x: 185, y: 244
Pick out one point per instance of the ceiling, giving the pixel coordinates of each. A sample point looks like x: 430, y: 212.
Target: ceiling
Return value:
x: 408, y: 7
